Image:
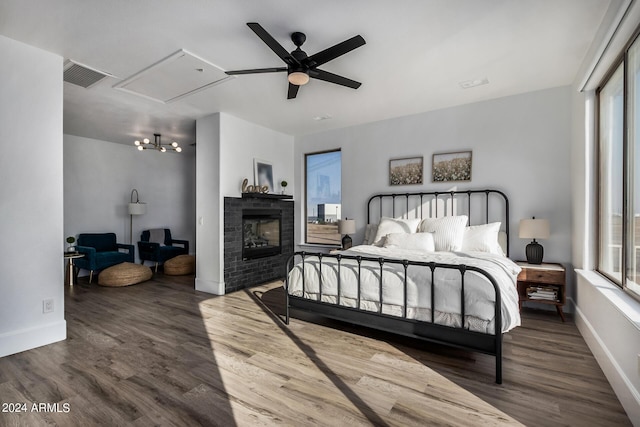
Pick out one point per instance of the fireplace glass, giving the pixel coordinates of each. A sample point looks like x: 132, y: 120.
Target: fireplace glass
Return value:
x: 261, y: 233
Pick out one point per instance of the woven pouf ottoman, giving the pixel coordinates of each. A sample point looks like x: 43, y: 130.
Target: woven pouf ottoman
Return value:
x: 124, y: 274
x: 180, y: 265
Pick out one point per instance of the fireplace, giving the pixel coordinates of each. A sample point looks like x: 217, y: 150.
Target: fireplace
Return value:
x: 241, y: 268
x: 261, y: 233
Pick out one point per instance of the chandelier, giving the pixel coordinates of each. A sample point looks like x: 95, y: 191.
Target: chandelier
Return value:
x: 145, y: 144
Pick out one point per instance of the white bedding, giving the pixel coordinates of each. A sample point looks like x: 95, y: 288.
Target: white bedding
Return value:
x: 479, y: 293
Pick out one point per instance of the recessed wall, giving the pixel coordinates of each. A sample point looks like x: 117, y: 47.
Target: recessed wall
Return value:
x: 100, y: 175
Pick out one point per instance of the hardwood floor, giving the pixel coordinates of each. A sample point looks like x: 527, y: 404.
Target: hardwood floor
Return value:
x: 161, y: 353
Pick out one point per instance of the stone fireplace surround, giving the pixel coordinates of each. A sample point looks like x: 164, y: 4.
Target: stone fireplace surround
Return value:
x: 241, y: 274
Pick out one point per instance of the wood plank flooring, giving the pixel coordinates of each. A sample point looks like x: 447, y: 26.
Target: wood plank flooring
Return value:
x: 160, y: 353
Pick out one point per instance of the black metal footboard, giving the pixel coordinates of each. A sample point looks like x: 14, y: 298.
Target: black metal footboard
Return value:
x: 428, y: 331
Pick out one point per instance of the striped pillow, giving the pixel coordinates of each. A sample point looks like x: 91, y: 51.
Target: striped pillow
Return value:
x: 448, y: 231
x: 392, y: 225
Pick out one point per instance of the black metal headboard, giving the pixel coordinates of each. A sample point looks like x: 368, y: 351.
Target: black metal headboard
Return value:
x: 481, y: 206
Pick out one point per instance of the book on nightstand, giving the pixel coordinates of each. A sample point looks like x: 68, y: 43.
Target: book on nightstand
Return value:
x: 542, y: 293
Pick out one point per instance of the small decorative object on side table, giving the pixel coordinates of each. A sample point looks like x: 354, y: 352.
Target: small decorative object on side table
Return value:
x: 542, y: 283
x: 70, y: 240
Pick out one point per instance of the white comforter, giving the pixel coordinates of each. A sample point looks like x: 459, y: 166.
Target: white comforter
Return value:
x: 479, y: 292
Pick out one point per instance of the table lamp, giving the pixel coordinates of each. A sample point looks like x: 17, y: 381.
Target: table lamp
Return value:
x: 534, y: 229
x: 346, y: 227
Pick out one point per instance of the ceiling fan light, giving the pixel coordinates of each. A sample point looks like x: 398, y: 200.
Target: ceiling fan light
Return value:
x: 140, y: 147
x: 174, y: 144
x: 163, y: 149
x: 146, y: 140
x: 178, y: 149
x: 298, y: 78
x: 136, y: 142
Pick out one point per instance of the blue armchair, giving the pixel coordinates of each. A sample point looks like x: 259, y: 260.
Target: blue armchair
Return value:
x: 101, y: 251
x: 157, y: 253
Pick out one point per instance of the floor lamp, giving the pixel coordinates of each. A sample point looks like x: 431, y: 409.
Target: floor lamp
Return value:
x: 135, y: 208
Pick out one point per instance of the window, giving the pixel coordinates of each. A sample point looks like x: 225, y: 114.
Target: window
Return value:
x: 611, y: 118
x: 619, y: 172
x: 633, y: 183
x: 323, y: 178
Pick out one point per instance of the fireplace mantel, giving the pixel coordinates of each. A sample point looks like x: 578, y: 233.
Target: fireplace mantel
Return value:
x: 267, y: 196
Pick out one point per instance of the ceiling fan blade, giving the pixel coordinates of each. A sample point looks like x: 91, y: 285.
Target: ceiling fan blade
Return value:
x: 293, y: 91
x: 256, y: 71
x: 334, y: 78
x: 272, y: 43
x: 335, y: 51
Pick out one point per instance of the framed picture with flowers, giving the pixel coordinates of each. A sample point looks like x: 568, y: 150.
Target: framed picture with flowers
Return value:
x: 406, y: 171
x: 451, y: 166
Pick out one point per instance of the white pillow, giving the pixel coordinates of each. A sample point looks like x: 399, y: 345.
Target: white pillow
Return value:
x: 370, y: 233
x: 448, y: 231
x: 482, y: 238
x: 391, y: 225
x: 416, y: 241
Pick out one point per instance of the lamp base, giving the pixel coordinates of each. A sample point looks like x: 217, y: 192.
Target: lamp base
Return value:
x: 346, y: 242
x: 534, y: 252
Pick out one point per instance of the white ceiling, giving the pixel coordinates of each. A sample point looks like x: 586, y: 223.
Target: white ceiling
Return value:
x: 417, y: 53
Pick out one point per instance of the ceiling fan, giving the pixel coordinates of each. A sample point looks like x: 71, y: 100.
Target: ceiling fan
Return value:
x: 300, y: 67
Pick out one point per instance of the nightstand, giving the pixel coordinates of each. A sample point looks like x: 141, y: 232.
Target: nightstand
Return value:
x: 542, y: 283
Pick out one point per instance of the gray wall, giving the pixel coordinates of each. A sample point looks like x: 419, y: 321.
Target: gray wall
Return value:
x: 99, y: 177
x: 31, y: 265
x: 606, y: 315
x: 521, y: 145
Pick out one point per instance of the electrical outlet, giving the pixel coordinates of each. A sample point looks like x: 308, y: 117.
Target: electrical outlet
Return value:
x: 47, y: 305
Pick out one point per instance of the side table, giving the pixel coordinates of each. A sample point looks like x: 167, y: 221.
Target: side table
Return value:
x: 543, y: 284
x: 70, y: 256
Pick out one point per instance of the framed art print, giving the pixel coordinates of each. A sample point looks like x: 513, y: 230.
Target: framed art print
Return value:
x: 263, y: 174
x: 454, y: 166
x: 406, y: 171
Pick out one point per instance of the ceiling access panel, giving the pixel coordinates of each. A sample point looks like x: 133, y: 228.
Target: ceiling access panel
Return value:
x: 177, y: 76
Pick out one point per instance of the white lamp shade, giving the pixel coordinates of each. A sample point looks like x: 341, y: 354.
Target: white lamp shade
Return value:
x: 137, y: 208
x: 347, y: 226
x: 534, y: 229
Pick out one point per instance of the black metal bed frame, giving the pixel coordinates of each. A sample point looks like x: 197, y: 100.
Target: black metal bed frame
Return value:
x: 428, y: 331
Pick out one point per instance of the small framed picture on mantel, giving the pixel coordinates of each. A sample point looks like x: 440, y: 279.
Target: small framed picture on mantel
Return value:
x: 263, y: 174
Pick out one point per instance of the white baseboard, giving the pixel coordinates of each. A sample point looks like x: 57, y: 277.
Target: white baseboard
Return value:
x: 210, y: 286
x: 622, y: 386
x: 37, y: 336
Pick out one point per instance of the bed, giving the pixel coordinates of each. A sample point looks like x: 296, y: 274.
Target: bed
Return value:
x: 434, y: 267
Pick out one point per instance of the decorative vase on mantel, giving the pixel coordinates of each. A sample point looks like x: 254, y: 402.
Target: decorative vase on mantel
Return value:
x: 284, y: 184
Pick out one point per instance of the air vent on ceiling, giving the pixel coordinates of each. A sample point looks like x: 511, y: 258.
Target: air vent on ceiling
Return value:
x: 81, y: 75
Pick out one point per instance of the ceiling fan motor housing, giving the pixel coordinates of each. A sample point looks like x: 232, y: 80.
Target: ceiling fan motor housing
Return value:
x: 298, y: 38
